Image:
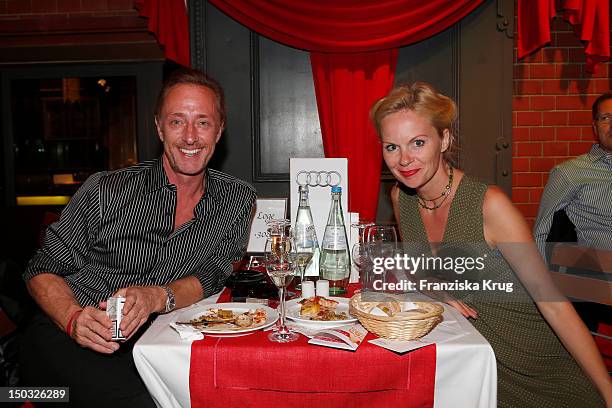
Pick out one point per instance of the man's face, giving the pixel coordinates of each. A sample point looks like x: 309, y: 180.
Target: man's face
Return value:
x: 603, y: 127
x: 189, y: 126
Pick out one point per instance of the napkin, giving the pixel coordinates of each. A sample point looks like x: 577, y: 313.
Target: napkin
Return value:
x: 187, y: 332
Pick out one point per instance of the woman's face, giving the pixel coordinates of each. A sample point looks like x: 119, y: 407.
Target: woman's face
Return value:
x: 412, y: 147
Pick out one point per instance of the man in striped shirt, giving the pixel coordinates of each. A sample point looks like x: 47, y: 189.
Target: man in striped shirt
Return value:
x: 163, y: 234
x: 583, y: 188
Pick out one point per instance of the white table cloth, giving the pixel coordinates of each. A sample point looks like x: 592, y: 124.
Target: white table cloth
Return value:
x: 466, y: 372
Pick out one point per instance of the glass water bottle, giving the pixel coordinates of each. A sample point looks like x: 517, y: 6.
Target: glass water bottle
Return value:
x: 335, y: 263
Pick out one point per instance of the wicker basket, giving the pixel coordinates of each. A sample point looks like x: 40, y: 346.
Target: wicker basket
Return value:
x: 398, y: 327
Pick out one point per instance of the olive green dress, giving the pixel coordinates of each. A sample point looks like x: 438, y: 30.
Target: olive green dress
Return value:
x: 533, y: 367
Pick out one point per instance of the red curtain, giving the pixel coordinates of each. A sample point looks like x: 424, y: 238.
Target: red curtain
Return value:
x: 590, y: 19
x: 350, y: 84
x: 353, y: 45
x: 168, y: 21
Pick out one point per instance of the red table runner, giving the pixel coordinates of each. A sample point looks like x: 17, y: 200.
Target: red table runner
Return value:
x: 252, y: 371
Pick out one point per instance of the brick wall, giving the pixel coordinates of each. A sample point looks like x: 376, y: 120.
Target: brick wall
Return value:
x: 551, y: 104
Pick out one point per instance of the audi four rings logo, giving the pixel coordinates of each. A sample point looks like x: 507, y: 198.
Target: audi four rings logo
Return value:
x: 318, y: 178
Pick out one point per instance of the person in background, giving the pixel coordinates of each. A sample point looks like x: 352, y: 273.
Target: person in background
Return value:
x: 582, y: 187
x: 163, y: 234
x: 437, y: 204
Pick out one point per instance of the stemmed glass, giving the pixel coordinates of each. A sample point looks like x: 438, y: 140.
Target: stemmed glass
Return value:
x: 280, y: 260
x: 381, y: 243
x: 361, y: 258
x: 306, y: 246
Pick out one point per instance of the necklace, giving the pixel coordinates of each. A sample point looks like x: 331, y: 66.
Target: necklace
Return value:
x: 444, y: 195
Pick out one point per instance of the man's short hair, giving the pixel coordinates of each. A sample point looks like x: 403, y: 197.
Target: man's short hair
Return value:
x: 189, y: 76
x: 598, y: 102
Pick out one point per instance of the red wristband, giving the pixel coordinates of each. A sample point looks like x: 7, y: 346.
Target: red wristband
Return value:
x: 72, y: 319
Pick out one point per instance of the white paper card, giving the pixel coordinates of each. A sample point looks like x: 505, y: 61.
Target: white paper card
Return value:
x: 319, y: 197
x: 267, y: 209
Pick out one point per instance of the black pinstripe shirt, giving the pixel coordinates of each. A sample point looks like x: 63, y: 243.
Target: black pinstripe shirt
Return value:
x: 118, y: 231
x: 583, y: 187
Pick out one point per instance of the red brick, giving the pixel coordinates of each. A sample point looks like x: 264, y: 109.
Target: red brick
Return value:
x: 520, y: 195
x: 528, y: 210
x: 520, y: 134
x: 520, y: 103
x: 554, y: 118
x: 601, y: 71
x: 541, y: 163
x: 579, y: 118
x: 602, y: 85
x: 566, y: 39
x: 528, y: 149
x: 554, y: 87
x: 571, y: 102
x: 18, y: 6
x: 568, y: 133
x: 535, y: 194
x: 568, y: 71
x: 544, y: 178
x: 92, y: 5
x: 576, y: 54
x: 527, y: 180
x: 542, y: 102
x: 528, y: 118
x: 581, y: 86
x: 520, y: 71
x: 588, y: 134
x: 520, y: 164
x: 552, y: 54
x: 534, y: 57
x: 514, y: 118
x: 69, y: 5
x: 528, y: 87
x: 578, y: 148
x: 545, y: 71
x: 541, y: 133
x: 554, y: 148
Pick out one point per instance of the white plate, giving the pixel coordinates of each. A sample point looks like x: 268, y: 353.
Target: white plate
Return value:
x: 293, y: 313
x: 271, y: 317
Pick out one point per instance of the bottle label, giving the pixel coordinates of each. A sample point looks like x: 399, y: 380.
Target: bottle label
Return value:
x: 335, y: 238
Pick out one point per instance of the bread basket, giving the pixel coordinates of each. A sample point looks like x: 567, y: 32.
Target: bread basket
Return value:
x: 397, y: 327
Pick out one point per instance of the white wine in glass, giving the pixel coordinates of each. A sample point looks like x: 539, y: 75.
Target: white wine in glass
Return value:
x: 280, y: 262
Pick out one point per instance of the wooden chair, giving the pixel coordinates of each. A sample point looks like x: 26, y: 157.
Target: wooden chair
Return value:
x: 572, y: 260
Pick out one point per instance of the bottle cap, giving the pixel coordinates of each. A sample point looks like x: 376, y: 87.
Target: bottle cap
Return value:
x: 336, y: 189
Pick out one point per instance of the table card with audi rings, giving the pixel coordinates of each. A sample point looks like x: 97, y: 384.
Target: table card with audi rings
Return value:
x: 319, y: 175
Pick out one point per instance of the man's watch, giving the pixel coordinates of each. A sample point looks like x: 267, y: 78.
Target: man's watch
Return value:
x: 170, y: 301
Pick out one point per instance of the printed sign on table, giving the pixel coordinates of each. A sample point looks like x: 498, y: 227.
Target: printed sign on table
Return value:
x: 266, y: 209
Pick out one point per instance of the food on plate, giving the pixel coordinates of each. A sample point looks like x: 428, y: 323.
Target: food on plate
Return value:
x: 229, y: 319
x: 244, y: 320
x: 321, y: 309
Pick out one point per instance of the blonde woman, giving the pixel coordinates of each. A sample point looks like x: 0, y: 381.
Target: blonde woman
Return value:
x: 434, y: 202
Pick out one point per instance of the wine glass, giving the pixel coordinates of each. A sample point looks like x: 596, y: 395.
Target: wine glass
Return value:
x: 305, y: 239
x: 280, y: 261
x: 381, y: 233
x: 361, y: 258
x: 381, y: 244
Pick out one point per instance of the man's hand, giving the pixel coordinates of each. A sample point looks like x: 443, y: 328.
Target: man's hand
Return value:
x: 140, y: 302
x: 92, y: 329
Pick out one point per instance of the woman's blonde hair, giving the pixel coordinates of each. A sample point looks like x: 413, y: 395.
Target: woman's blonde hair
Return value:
x: 425, y: 100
